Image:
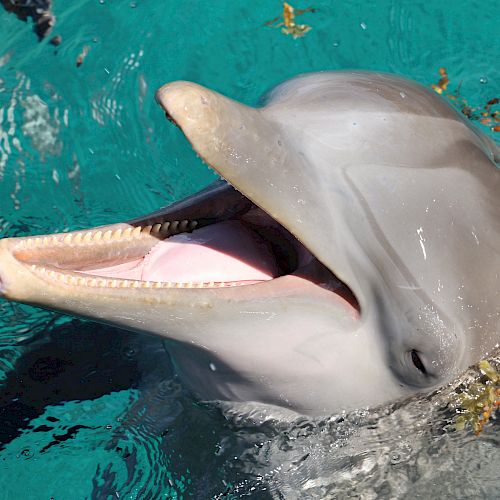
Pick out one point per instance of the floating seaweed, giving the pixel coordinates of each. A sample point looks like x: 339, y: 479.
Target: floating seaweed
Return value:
x: 81, y: 57
x: 479, y: 401
x: 288, y: 25
x: 441, y: 86
x: 484, y: 115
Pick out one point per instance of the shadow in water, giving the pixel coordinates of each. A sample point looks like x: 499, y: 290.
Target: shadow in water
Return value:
x: 75, y: 361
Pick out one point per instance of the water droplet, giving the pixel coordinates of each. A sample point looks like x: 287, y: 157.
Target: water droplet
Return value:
x: 483, y: 80
x: 26, y: 453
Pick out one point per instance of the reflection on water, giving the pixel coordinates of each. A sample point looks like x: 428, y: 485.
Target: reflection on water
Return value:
x: 100, y: 410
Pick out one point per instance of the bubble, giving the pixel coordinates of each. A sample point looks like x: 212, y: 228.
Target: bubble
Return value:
x: 483, y: 80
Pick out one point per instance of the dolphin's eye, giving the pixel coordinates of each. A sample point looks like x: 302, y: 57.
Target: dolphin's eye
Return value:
x: 417, y: 361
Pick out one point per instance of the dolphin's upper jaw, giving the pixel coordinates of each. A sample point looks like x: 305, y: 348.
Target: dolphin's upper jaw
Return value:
x: 156, y: 254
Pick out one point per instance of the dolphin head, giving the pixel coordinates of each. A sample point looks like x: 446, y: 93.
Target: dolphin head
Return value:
x: 351, y: 258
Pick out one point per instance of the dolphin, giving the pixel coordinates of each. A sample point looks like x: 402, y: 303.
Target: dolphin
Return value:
x: 350, y: 256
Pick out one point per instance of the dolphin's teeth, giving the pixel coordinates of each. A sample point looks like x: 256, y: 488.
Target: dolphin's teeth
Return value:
x: 117, y: 234
x: 113, y: 283
x: 29, y: 242
x: 38, y: 242
x: 157, y: 284
x: 97, y: 236
x: 73, y: 280
x: 51, y: 274
x: 146, y: 284
x: 45, y: 240
x: 189, y: 284
x: 164, y: 230
x: 192, y: 225
x: 211, y: 283
x: 183, y: 225
x: 55, y: 240
x: 102, y: 283
x: 136, y: 232
x: 81, y: 281
x: 78, y: 238
x: 127, y: 232
x: 92, y: 282
x: 88, y: 237
x: 147, y: 230
x: 107, y: 236
x: 124, y: 284
x: 135, y: 284
x: 173, y: 226
x: 67, y: 239
x: 156, y: 228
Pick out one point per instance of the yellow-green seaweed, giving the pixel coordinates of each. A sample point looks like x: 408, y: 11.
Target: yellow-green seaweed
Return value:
x: 480, y: 400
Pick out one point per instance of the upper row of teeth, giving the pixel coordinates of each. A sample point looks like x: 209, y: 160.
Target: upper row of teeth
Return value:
x: 157, y: 230
x: 121, y: 283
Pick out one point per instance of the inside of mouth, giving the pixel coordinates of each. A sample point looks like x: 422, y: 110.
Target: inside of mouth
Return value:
x: 234, y: 251
x: 245, y: 248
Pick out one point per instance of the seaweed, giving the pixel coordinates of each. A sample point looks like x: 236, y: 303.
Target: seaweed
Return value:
x: 288, y: 25
x: 478, y: 402
x: 485, y: 115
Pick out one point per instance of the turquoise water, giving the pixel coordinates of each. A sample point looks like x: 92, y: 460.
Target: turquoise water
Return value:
x: 91, y: 412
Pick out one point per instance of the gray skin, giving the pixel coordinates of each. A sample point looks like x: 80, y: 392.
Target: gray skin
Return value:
x: 393, y: 192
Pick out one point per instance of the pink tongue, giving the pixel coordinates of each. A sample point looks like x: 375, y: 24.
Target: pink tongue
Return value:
x: 227, y: 251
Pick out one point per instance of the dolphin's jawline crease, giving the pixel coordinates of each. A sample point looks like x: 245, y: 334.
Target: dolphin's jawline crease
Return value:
x: 406, y: 225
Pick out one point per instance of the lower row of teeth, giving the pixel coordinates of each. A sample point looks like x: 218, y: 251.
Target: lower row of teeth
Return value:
x: 120, y: 283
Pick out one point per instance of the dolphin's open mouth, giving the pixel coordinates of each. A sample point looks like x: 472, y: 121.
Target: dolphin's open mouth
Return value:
x: 219, y: 241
